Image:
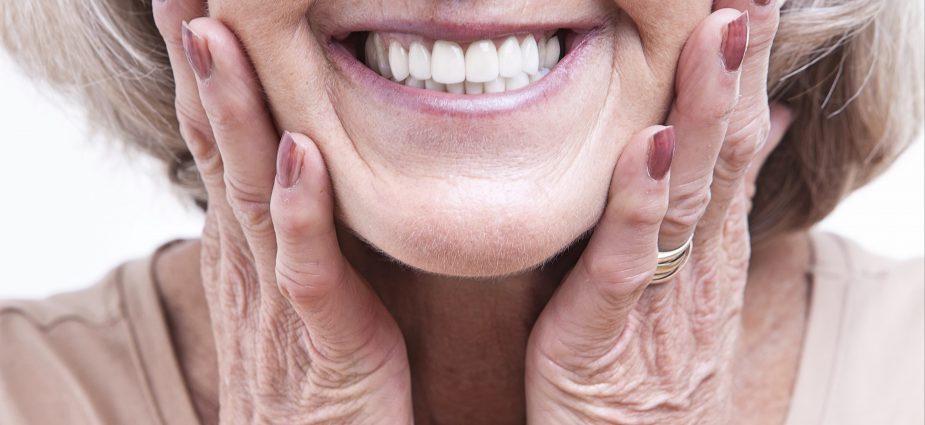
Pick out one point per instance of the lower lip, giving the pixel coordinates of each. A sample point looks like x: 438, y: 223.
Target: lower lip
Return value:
x: 450, y: 104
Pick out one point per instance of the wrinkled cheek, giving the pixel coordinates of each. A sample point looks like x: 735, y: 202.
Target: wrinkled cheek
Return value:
x: 285, y: 52
x: 663, y: 27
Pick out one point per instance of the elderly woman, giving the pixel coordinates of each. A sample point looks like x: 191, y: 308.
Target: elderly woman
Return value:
x: 443, y: 212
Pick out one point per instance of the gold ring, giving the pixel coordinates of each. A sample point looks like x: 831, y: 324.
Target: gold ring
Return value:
x: 669, y: 263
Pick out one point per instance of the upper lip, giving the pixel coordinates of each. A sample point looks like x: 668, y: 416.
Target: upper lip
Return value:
x: 456, y: 21
x: 458, y: 32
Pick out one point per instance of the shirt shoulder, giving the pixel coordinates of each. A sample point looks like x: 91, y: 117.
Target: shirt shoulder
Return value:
x: 876, y: 309
x: 90, y: 356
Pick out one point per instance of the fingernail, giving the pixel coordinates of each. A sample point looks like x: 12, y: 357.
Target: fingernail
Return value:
x: 661, y: 153
x: 197, y: 53
x: 735, y: 42
x: 762, y: 2
x: 288, y: 162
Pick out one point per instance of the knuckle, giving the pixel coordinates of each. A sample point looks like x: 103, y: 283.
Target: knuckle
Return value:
x: 709, y: 112
x: 250, y: 205
x: 237, y: 288
x: 717, y: 108
x: 194, y: 128
x: 293, y: 221
x: 646, y: 215
x: 230, y: 114
x: 688, y: 205
x: 741, y: 149
x: 619, y: 277
x: 305, y: 282
x: 225, y: 119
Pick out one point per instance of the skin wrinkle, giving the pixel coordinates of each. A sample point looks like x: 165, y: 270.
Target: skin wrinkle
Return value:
x: 554, y: 178
x: 479, y: 316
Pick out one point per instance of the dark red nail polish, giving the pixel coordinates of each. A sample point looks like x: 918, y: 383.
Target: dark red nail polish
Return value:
x: 197, y: 53
x: 735, y: 42
x: 288, y: 162
x: 661, y: 153
x: 762, y: 2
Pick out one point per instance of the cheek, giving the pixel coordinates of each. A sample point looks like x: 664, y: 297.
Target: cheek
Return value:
x: 455, y: 226
x: 662, y: 27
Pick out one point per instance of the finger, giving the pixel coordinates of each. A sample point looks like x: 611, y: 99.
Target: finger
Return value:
x: 169, y: 16
x: 707, y: 89
x: 590, y: 308
x: 738, y: 165
x: 749, y: 125
x: 343, y: 315
x: 764, y: 17
x: 243, y: 131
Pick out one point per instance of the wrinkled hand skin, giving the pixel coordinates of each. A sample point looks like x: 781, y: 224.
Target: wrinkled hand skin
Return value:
x: 612, y: 349
x: 301, y: 338
x: 271, y: 371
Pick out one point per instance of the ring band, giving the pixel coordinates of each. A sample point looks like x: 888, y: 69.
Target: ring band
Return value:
x: 671, y: 262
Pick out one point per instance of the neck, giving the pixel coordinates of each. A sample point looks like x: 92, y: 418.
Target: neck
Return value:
x: 466, y: 339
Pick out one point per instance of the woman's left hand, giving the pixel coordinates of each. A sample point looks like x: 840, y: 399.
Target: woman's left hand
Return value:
x: 611, y: 348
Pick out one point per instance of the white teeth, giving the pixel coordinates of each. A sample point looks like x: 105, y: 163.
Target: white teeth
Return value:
x: 496, y: 86
x: 382, y: 59
x: 531, y: 55
x: 552, y: 53
x: 481, y: 62
x: 398, y: 60
x: 419, y: 61
x: 434, y: 86
x: 414, y: 82
x: 510, y: 59
x: 474, y: 88
x: 372, y: 59
x: 482, y: 68
x: 540, y: 51
x: 448, y: 63
x: 458, y: 88
x: 518, y: 81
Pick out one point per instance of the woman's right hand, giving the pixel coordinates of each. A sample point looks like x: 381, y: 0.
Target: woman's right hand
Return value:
x: 301, y: 337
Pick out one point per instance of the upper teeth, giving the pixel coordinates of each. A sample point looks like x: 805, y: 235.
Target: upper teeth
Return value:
x: 485, y: 66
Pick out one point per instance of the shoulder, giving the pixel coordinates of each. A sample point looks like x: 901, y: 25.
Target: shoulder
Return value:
x: 73, y: 357
x: 842, y: 261
x: 875, y: 307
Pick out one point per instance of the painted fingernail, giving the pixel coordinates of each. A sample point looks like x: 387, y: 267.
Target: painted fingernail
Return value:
x: 288, y: 162
x: 762, y: 2
x: 735, y: 42
x: 661, y: 153
x: 197, y: 53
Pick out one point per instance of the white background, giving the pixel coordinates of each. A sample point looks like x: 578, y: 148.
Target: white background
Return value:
x: 73, y: 208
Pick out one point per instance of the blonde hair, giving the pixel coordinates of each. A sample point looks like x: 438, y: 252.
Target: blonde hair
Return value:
x: 850, y: 69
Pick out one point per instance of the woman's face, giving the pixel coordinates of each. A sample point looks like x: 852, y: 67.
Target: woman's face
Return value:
x: 457, y: 184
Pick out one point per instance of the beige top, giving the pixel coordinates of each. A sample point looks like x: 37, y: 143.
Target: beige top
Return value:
x: 103, y: 355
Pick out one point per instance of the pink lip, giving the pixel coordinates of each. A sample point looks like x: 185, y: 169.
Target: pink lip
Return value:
x: 462, y: 32
x: 470, y: 106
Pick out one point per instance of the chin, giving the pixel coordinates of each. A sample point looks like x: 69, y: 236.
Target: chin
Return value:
x: 467, y: 140
x: 472, y: 237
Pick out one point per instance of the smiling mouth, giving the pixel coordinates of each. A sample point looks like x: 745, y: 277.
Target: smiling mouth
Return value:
x: 485, y: 66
